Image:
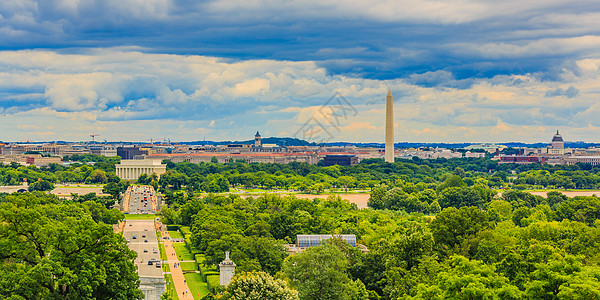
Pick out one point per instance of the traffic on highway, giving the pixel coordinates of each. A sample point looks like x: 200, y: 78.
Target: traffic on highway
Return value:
x: 142, y: 199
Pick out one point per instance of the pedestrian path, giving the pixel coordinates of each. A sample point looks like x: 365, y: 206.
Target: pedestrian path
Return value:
x: 179, y: 282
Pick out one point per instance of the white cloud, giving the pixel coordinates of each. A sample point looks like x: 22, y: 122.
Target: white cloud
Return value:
x: 127, y: 94
x: 251, y: 87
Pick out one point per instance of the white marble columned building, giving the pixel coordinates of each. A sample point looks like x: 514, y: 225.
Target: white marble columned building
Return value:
x: 132, y: 169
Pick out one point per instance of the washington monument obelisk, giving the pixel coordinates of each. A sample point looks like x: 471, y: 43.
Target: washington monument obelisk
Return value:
x: 389, y: 128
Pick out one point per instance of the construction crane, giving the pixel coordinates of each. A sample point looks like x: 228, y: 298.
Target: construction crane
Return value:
x: 94, y: 135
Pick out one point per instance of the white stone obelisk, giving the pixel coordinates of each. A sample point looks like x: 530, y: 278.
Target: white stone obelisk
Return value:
x: 389, y: 128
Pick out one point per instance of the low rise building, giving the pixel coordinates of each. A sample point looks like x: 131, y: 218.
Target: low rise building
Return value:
x: 30, y: 159
x: 247, y: 157
x: 470, y: 154
x: 341, y: 160
x: 572, y: 160
x: 521, y: 159
x: 305, y: 241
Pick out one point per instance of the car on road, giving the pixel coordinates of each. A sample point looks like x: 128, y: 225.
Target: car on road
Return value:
x: 134, y: 237
x: 145, y: 241
x: 145, y: 250
x: 158, y: 264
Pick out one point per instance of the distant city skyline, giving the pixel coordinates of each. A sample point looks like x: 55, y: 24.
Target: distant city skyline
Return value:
x: 463, y: 71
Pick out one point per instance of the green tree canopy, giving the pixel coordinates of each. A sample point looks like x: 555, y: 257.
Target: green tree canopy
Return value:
x: 258, y: 286
x: 57, y: 251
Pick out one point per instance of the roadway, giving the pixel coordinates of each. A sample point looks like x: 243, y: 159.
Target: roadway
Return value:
x: 145, y: 244
x: 140, y: 199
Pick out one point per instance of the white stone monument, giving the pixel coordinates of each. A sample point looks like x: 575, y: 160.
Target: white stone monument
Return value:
x: 226, y: 270
x: 389, y: 128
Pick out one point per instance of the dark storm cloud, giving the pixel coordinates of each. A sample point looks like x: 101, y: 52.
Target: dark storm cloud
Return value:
x: 371, y: 39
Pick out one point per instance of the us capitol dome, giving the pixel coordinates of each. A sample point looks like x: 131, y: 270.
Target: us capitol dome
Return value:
x: 557, y: 141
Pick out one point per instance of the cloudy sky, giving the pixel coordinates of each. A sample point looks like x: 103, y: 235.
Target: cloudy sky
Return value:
x: 460, y: 71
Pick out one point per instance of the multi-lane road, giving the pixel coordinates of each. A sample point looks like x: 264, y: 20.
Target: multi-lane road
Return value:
x: 141, y: 238
x: 140, y: 199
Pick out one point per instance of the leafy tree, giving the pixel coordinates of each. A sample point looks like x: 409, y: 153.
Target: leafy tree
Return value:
x: 452, y: 181
x: 56, y: 251
x: 97, y: 176
x: 376, y: 200
x: 398, y: 199
x: 452, y: 226
x: 41, y: 185
x: 113, y: 189
x: 320, y: 273
x: 144, y: 179
x: 468, y: 280
x: 581, y: 209
x: 258, y: 286
x: 519, y: 198
x: 413, y: 242
x: 519, y: 214
x: 499, y: 210
x: 564, y: 278
x: 458, y: 197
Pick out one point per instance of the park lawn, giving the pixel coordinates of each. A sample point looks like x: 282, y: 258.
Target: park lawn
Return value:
x: 175, y: 235
x: 188, y: 266
x: 171, y: 287
x: 139, y: 217
x: 197, y: 287
x: 182, y: 252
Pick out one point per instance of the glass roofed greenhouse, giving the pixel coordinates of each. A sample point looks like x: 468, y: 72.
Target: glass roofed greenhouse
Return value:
x: 313, y: 240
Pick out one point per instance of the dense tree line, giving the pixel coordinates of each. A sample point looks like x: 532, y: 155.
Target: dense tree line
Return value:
x: 215, y: 178
x: 53, y: 249
x: 370, y: 173
x: 101, y: 172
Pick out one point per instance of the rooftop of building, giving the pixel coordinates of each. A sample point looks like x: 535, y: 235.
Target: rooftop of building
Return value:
x: 211, y: 154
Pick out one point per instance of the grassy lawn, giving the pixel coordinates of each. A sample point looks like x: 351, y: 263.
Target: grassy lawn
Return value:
x: 139, y: 217
x: 182, y: 252
x: 161, y: 249
x: 165, y: 267
x: 198, y: 288
x: 175, y: 235
x: 171, y: 287
x: 188, y: 266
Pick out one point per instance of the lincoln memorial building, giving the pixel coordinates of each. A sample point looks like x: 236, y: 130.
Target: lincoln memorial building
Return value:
x: 131, y: 169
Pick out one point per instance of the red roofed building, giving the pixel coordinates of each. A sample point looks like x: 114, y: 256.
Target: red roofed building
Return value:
x: 249, y: 157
